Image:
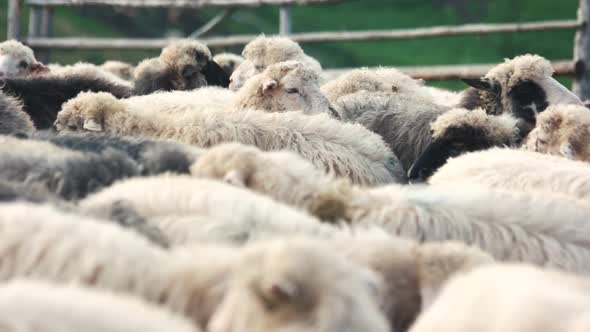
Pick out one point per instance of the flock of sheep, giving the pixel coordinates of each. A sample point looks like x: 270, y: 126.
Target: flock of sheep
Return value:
x: 252, y: 193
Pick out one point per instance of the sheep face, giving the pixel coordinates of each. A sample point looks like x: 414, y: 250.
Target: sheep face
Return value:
x: 17, y: 60
x: 299, y: 286
x: 285, y: 86
x: 460, y: 131
x: 87, y: 111
x: 562, y: 130
x: 522, y: 86
x: 241, y: 74
x: 188, y: 59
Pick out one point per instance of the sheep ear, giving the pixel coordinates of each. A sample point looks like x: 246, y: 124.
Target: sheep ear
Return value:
x: 39, y: 68
x: 567, y: 150
x: 480, y: 83
x: 92, y: 125
x: 269, y: 85
x: 236, y: 178
x: 281, y: 292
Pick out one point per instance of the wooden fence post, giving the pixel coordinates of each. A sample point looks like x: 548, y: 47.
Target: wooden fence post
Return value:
x: 582, y: 51
x: 13, y: 29
x: 284, y: 20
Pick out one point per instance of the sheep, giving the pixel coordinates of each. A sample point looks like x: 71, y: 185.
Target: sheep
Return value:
x: 35, y: 306
x: 121, y: 69
x: 183, y: 65
x: 18, y: 60
x: 562, y: 130
x: 413, y: 274
x: 281, y: 87
x: 151, y: 156
x: 509, y: 297
x: 228, y: 62
x: 67, y: 173
x: 364, y: 79
x: 265, y: 51
x: 459, y: 131
x: 522, y: 86
x: 192, y: 211
x: 402, y: 120
x: 343, y: 149
x: 527, y: 227
x: 42, y: 97
x: 286, y: 86
x: 86, y: 70
x: 518, y: 170
x: 337, y: 298
x: 12, y: 117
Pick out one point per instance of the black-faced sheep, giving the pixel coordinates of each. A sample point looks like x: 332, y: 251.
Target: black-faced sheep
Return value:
x: 343, y: 149
x: 122, y: 69
x: 265, y: 51
x: 34, y: 306
x: 67, y: 173
x: 518, y: 170
x: 517, y: 298
x: 18, y: 60
x: 200, y: 283
x: 522, y: 86
x: 42, y: 97
x: 12, y: 117
x: 182, y: 65
x: 562, y: 130
x: 459, y: 131
x: 526, y: 227
x: 228, y: 62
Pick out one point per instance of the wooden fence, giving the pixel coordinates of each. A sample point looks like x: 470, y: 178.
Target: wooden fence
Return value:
x: 41, y: 20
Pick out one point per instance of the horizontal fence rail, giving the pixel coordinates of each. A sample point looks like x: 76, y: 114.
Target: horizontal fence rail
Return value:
x: 175, y: 3
x: 454, y: 72
x: 479, y: 29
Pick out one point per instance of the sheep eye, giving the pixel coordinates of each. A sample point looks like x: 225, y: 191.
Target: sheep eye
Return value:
x: 542, y: 142
x: 23, y: 64
x: 293, y: 90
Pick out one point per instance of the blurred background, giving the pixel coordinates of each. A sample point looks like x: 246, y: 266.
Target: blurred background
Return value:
x: 348, y: 15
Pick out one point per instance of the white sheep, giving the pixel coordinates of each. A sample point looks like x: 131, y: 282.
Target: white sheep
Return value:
x: 518, y: 170
x: 87, y: 70
x: 122, y: 69
x: 190, y: 211
x: 34, y: 306
x: 18, y: 60
x: 526, y: 227
x: 265, y: 51
x: 517, y: 298
x: 562, y: 130
x: 343, y: 149
x: 197, y: 282
x: 286, y: 86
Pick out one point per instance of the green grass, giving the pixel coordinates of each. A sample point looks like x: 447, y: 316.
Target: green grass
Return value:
x: 349, y: 15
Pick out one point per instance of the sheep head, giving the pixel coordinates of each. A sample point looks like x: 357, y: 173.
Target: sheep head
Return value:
x: 263, y: 52
x: 18, y: 60
x: 562, y: 130
x: 188, y: 59
x: 460, y: 131
x: 298, y: 285
x: 282, y: 87
x: 522, y: 86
